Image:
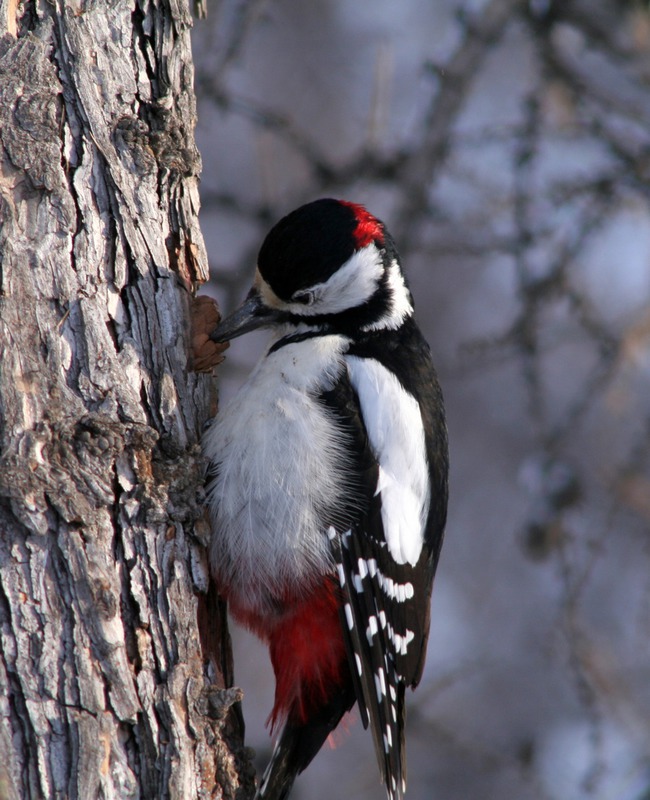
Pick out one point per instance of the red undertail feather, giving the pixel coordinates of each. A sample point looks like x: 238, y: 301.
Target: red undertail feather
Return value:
x: 308, y: 657
x: 307, y: 652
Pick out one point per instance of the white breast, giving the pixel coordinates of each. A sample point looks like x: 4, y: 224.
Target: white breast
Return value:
x: 280, y: 460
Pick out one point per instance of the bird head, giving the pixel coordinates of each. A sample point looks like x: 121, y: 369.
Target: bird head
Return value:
x: 328, y: 265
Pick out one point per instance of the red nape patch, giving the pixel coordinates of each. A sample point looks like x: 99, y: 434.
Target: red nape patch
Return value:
x: 368, y: 229
x: 308, y: 657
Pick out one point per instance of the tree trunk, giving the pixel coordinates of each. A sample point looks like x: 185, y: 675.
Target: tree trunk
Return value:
x: 105, y: 690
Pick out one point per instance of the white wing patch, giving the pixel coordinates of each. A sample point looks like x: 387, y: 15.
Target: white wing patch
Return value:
x: 394, y: 424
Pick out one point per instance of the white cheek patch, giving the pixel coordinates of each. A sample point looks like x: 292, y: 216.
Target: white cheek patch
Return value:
x: 351, y: 285
x: 394, y: 424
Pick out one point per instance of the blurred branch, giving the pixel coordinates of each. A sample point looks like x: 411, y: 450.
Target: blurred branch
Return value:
x: 245, y: 15
x: 454, y: 79
x: 266, y: 118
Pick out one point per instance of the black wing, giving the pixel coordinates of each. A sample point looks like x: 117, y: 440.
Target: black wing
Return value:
x: 385, y: 608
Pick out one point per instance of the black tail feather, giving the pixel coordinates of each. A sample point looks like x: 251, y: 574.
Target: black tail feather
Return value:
x: 299, y: 743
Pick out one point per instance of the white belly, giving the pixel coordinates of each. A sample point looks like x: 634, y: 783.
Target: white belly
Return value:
x: 281, y: 463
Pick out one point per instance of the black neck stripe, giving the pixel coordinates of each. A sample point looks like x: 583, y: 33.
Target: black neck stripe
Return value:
x: 293, y: 338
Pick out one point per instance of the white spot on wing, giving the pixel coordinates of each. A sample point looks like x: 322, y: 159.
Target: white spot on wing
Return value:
x: 395, y: 591
x: 389, y: 736
x: 348, y: 616
x: 394, y: 424
x: 382, y: 680
x: 372, y: 628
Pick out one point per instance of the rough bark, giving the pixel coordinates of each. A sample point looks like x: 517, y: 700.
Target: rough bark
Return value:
x: 105, y: 690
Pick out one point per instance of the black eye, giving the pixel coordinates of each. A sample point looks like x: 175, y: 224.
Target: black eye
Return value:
x: 305, y: 298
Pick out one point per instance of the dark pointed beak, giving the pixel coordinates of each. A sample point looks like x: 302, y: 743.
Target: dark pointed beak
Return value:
x: 250, y: 315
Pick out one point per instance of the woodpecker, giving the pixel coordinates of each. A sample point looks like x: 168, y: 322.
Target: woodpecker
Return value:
x: 327, y: 485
